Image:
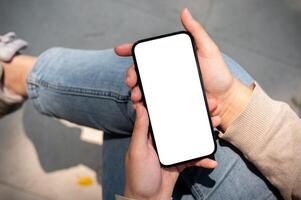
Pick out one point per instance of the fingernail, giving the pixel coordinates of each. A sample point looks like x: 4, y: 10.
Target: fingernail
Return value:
x: 214, y: 163
x: 188, y: 13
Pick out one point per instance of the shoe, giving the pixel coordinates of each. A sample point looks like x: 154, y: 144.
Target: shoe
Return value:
x: 8, y: 102
x: 10, y: 45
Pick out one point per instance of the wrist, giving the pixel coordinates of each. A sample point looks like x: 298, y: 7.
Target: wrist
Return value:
x: 234, y: 103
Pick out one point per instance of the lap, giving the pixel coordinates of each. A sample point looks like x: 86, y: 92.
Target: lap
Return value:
x: 92, y: 92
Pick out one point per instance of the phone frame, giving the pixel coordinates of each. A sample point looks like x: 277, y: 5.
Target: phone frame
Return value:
x: 202, y: 86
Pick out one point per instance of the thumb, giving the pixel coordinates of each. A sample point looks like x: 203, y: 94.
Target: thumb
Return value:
x: 124, y: 49
x: 140, y: 132
x: 204, y: 43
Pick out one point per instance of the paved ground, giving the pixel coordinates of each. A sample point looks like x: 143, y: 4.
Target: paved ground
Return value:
x: 41, y: 158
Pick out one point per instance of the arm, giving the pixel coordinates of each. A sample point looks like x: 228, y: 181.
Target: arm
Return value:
x: 268, y: 133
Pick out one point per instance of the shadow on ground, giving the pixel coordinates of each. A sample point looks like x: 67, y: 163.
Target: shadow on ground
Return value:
x: 58, y: 146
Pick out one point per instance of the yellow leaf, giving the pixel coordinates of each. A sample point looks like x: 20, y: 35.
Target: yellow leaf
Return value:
x: 85, y: 181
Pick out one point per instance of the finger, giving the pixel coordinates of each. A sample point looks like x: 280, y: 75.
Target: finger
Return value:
x: 204, y: 43
x: 136, y: 104
x: 216, y: 111
x: 216, y: 121
x: 150, y: 140
x: 124, y: 49
x: 136, y: 95
x: 140, y: 132
x: 205, y: 163
x: 212, y: 103
x: 214, y: 106
x: 131, y: 77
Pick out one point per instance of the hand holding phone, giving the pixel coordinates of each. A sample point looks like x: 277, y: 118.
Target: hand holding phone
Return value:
x: 145, y: 177
x: 219, y: 83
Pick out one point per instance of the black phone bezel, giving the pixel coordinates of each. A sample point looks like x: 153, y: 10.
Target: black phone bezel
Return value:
x: 202, y: 86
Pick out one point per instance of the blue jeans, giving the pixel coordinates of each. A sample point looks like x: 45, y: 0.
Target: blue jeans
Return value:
x: 87, y: 88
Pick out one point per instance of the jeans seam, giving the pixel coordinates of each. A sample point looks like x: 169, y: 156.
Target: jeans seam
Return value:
x: 198, y: 193
x: 35, y: 84
x: 126, y: 115
x: 84, y: 91
x: 33, y: 88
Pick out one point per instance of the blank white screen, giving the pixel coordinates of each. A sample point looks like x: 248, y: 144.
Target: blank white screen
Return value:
x: 174, y: 98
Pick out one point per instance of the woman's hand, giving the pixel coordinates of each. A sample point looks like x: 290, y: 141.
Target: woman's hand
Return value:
x: 145, y: 178
x: 230, y: 95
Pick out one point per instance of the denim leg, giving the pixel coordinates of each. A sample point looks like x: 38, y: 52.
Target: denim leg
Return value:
x: 84, y: 87
x: 87, y: 87
x: 234, y: 178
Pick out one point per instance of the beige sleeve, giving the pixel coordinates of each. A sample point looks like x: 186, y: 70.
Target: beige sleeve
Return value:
x: 268, y: 133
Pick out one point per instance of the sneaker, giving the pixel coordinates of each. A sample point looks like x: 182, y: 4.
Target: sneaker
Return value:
x: 10, y: 45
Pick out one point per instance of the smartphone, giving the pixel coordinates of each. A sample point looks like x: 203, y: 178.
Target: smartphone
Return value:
x: 172, y: 89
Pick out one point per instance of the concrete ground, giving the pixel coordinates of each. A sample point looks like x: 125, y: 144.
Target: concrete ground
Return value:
x: 42, y: 158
